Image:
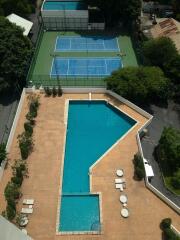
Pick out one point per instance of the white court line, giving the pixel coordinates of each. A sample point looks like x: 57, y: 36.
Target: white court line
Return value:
x: 70, y: 44
x: 118, y: 44
x: 51, y: 68
x: 55, y: 47
x: 68, y: 68
x: 106, y: 66
x: 104, y: 44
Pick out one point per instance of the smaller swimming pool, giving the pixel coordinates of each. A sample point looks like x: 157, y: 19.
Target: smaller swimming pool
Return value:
x: 63, y: 5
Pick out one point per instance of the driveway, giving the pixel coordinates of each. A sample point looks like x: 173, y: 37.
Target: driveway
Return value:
x: 163, y: 117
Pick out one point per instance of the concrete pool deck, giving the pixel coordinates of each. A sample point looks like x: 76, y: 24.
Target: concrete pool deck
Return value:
x: 44, y: 164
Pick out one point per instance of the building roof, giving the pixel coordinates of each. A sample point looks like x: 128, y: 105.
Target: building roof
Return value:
x: 168, y: 27
x: 9, y: 231
x: 21, y: 22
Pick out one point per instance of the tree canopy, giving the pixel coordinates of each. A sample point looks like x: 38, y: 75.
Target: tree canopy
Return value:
x: 159, y: 51
x: 169, y: 149
x: 141, y: 85
x: 20, y: 7
x: 118, y: 10
x: 15, y: 54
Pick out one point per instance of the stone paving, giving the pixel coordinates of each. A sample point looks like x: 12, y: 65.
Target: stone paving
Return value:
x: 44, y: 164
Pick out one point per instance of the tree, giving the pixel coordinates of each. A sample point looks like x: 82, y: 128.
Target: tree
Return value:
x: 169, y: 149
x: 15, y: 54
x: 118, y: 10
x: 20, y: 7
x: 3, y: 153
x: 141, y: 85
x: 159, y: 52
x: 172, y: 69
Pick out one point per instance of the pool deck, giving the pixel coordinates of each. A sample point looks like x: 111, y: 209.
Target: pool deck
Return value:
x: 44, y: 164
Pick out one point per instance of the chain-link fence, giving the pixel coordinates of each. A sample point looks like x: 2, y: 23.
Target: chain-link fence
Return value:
x: 67, y: 81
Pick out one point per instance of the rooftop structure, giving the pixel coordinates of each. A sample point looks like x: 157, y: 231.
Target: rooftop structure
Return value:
x: 168, y: 27
x: 21, y: 22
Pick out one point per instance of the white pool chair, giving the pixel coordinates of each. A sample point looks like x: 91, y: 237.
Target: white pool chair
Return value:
x: 119, y: 186
x: 119, y: 180
x: 27, y: 210
x: 28, y: 201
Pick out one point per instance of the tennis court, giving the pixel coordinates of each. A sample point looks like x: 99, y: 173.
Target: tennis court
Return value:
x: 83, y: 67
x: 87, y: 43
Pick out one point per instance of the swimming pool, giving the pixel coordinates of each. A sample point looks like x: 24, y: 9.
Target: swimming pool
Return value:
x: 63, y: 5
x: 92, y: 128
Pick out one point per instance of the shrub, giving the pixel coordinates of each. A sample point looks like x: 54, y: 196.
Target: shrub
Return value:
x: 30, y: 118
x: 33, y: 105
x: 10, y: 212
x: 169, y: 234
x: 3, y: 153
x: 28, y: 128
x: 175, y: 180
x: 138, y: 167
x: 165, y: 223
x: 11, y: 203
x: 11, y: 191
x: 17, y: 180
x: 54, y: 91
x: 59, y: 91
x: 25, y: 145
x: 48, y: 91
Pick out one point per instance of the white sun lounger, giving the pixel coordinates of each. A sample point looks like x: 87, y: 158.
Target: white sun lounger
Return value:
x: 28, y: 201
x: 119, y: 180
x: 27, y: 210
x: 119, y: 186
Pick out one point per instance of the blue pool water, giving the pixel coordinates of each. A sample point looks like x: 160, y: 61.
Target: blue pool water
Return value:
x: 63, y: 5
x: 93, y: 127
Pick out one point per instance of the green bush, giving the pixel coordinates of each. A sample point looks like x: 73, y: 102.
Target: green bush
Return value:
x: 17, y: 180
x: 11, y: 191
x: 175, y: 180
x: 170, y: 235
x: 33, y: 105
x: 28, y: 128
x: 10, y: 212
x: 48, y: 91
x: 30, y: 118
x: 25, y: 145
x: 59, y: 91
x: 11, y: 203
x: 3, y: 153
x: 165, y: 223
x: 54, y: 91
x: 138, y: 167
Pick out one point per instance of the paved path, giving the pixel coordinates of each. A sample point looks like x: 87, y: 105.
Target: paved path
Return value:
x: 8, y: 106
x: 162, y: 117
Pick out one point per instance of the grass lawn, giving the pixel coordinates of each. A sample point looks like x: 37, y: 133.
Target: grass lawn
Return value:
x: 40, y: 70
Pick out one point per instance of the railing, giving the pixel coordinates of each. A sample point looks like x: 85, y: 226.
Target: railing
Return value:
x: 67, y: 81
x: 34, y: 57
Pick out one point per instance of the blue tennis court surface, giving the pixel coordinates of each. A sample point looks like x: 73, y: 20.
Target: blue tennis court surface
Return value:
x: 98, y: 44
x: 80, y: 67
